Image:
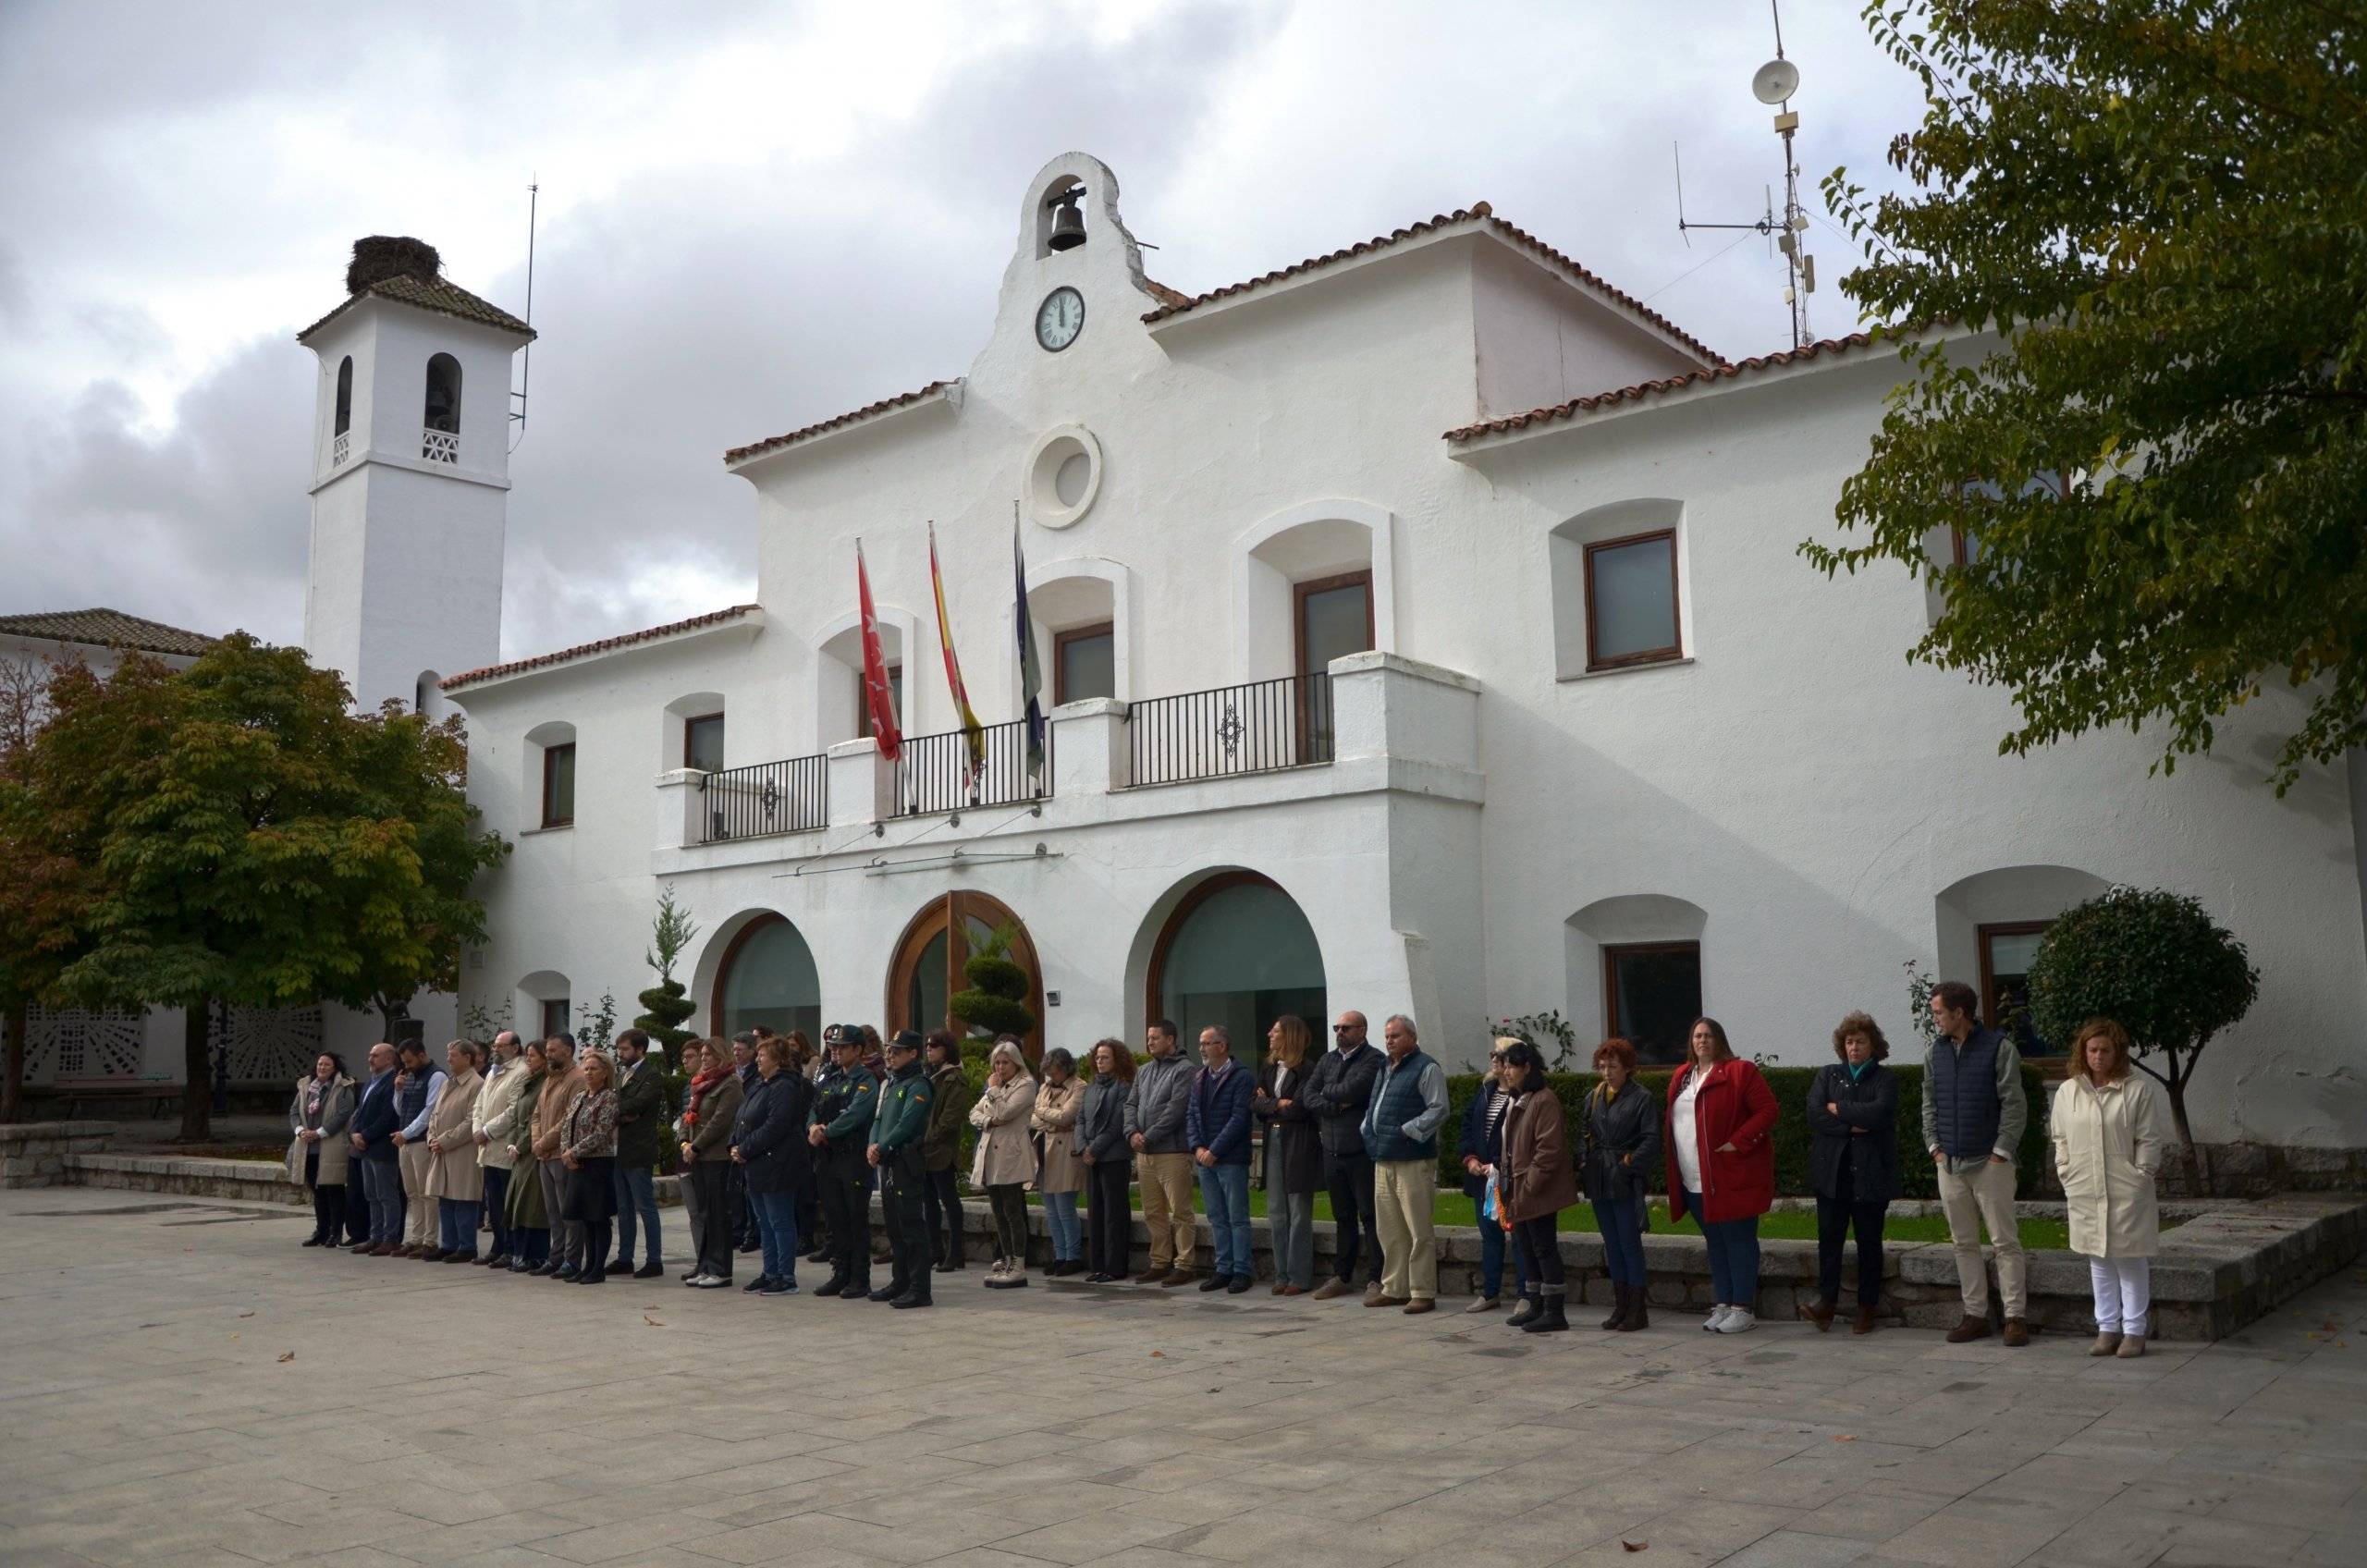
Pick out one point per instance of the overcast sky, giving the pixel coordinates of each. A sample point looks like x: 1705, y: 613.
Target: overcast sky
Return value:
x: 758, y: 215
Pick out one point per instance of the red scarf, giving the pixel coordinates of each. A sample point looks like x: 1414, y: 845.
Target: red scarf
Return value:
x: 699, y: 1086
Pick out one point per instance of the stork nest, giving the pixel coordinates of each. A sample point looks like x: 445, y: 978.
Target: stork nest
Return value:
x: 382, y: 256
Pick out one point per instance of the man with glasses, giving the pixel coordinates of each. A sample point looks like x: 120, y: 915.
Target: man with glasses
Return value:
x: 1158, y: 1107
x: 1339, y: 1091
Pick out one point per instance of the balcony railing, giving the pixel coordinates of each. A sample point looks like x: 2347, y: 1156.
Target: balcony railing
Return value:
x: 340, y: 448
x: 1260, y: 727
x: 439, y: 445
x: 929, y: 770
x: 770, y: 797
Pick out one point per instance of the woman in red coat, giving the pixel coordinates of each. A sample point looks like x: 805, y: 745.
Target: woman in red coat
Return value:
x: 1722, y: 1168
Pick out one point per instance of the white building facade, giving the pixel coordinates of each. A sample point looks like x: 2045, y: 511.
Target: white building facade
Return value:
x: 1423, y: 630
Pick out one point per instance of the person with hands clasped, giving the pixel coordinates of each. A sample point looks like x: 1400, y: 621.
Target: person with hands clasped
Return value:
x: 1216, y: 1125
x: 1293, y: 1153
x: 1482, y: 1145
x: 1722, y: 1168
x: 1622, y: 1146
x: 1535, y: 1181
x: 1853, y: 1165
x: 1005, y: 1159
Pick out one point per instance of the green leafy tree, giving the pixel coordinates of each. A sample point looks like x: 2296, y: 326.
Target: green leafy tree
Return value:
x: 39, y: 887
x: 2155, y: 963
x: 2158, y: 472
x: 996, y: 998
x: 667, y: 1005
x: 236, y: 837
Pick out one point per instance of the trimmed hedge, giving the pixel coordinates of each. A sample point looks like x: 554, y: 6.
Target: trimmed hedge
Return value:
x: 1917, y: 1175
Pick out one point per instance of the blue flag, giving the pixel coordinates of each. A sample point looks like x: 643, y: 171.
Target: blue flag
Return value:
x: 1031, y: 678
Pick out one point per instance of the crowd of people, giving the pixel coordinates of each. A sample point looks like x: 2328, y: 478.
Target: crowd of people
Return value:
x: 781, y: 1150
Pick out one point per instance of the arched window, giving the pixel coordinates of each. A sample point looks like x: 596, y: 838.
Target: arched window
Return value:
x: 928, y: 964
x: 768, y: 976
x: 1635, y: 962
x: 1989, y: 926
x: 344, y: 397
x: 1238, y: 952
x: 443, y: 395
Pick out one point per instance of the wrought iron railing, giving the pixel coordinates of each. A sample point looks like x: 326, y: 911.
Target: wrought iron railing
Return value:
x: 767, y: 798
x: 929, y: 771
x: 1260, y: 727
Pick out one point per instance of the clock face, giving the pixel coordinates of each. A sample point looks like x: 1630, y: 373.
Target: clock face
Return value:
x: 1060, y: 318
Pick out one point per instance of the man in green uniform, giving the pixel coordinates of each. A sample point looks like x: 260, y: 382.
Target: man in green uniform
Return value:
x: 844, y: 1098
x: 899, y: 1139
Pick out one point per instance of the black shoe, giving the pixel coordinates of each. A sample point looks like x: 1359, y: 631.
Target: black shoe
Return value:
x: 831, y: 1286
x: 499, y: 1260
x: 571, y: 1273
x: 890, y: 1291
x: 909, y: 1300
x: 617, y: 1266
x: 819, y: 1255
x: 950, y: 1266
x: 748, y: 1247
x: 758, y: 1283
x: 778, y: 1288
x: 312, y: 1241
x: 542, y: 1270
x: 1214, y: 1282
x: 1237, y: 1284
x: 597, y: 1277
x: 652, y: 1269
x: 855, y: 1289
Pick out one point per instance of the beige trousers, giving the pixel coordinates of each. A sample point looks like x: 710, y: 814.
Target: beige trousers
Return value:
x: 1403, y: 1193
x: 1167, y: 1208
x: 1986, y: 1197
x: 419, y: 1209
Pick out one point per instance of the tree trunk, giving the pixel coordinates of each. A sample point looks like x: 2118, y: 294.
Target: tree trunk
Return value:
x: 197, y: 1068
x: 2194, y: 1160
x: 12, y: 1078
x: 392, y: 1009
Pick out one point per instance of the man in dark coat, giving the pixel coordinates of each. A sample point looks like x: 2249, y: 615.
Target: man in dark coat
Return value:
x: 643, y: 1110
x: 376, y: 1119
x: 1338, y: 1091
x: 899, y: 1137
x: 839, y: 1129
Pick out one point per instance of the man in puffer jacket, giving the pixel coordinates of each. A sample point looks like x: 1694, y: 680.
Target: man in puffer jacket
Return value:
x: 1157, y: 1110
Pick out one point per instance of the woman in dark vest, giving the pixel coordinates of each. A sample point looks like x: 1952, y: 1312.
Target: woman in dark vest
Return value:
x: 1853, y: 1165
x: 1622, y: 1146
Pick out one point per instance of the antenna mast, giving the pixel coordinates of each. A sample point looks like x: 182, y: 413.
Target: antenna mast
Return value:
x: 526, y: 372
x: 1773, y: 84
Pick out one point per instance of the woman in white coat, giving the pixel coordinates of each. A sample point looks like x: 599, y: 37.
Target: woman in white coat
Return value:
x: 1005, y: 1162
x: 2110, y: 1125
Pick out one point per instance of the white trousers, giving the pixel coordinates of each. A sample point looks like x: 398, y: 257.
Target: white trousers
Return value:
x: 2124, y: 1292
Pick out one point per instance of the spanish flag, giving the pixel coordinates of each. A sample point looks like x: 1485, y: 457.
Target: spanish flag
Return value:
x: 973, y: 732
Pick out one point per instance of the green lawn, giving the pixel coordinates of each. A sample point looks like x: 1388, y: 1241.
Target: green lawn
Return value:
x: 1454, y: 1208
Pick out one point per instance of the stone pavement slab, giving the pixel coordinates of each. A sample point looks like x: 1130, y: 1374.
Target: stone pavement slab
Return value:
x: 185, y: 1385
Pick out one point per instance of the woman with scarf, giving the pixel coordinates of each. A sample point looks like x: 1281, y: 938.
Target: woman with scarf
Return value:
x: 1853, y: 1166
x: 708, y: 1112
x: 588, y: 1148
x: 529, y: 1220
x: 316, y: 1152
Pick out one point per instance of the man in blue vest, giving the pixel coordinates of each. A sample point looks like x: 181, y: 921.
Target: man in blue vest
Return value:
x: 1973, y: 1113
x: 1401, y: 1133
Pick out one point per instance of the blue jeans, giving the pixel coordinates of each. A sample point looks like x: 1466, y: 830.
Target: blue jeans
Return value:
x: 456, y: 1225
x: 497, y: 1207
x: 1068, y: 1231
x: 1224, y: 1193
x: 1492, y: 1248
x: 636, y: 1197
x: 1621, y: 1223
x: 776, y: 1232
x: 382, y: 1184
x: 1734, y: 1256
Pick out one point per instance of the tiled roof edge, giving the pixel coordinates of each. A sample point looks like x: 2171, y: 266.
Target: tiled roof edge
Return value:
x: 585, y: 650
x: 840, y: 421
x: 1576, y: 406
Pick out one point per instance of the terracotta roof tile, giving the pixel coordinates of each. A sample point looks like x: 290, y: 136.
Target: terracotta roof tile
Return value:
x: 430, y: 294
x: 854, y: 416
x: 105, y: 628
x: 1478, y: 213
x: 606, y: 645
x: 1662, y: 387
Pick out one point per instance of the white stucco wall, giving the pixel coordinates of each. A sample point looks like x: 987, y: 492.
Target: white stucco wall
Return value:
x: 1795, y: 795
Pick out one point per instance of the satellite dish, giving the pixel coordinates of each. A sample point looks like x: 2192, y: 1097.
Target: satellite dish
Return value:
x: 1774, y: 81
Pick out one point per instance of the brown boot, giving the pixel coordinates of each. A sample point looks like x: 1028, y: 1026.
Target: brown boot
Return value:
x: 1618, y: 1308
x: 2018, y: 1333
x: 1865, y: 1321
x: 1820, y: 1312
x: 1638, y: 1316
x: 1969, y: 1330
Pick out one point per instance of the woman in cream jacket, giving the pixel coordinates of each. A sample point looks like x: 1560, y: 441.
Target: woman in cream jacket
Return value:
x: 2110, y: 1124
x: 1005, y: 1162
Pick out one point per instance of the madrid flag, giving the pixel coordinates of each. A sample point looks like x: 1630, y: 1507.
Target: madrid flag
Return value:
x: 876, y: 694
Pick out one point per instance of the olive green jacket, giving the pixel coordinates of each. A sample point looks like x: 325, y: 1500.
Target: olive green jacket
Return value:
x: 903, y: 1112
x: 948, y: 1113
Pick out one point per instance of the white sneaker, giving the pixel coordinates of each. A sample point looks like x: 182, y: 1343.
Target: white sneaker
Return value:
x: 1738, y: 1321
x: 1710, y: 1325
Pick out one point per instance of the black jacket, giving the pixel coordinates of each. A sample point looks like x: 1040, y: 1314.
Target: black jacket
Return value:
x: 377, y: 1119
x: 1628, y: 1125
x: 642, y: 1114
x: 1294, y: 1157
x: 1871, y: 1155
x: 1338, y: 1091
x: 1101, y: 1121
x: 769, y: 1133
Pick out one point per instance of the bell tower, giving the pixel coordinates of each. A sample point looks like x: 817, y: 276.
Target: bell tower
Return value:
x: 410, y: 476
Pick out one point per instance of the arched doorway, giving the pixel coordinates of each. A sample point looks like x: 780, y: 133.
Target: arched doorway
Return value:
x: 929, y: 956
x: 768, y: 976
x: 1237, y: 952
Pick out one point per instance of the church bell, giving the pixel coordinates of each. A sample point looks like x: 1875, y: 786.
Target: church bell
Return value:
x: 1068, y: 224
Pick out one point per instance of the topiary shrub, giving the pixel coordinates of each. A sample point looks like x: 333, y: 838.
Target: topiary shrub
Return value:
x: 995, y: 999
x: 2155, y: 963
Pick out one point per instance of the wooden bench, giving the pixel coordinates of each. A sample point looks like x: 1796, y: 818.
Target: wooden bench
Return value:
x: 160, y: 1097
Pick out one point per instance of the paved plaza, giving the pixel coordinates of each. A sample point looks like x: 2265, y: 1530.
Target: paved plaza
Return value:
x: 182, y: 1385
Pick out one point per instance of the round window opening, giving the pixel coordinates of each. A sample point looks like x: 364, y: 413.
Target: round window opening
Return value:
x: 1063, y: 476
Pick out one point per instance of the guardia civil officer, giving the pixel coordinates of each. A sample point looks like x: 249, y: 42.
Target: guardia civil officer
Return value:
x: 839, y: 1128
x: 899, y: 1147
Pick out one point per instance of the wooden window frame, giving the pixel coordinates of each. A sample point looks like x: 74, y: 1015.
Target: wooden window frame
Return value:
x: 863, y: 730
x: 550, y: 754
x: 566, y: 1015
x: 1060, y: 640
x: 948, y: 913
x: 1980, y: 936
x: 1300, y: 592
x: 1675, y: 604
x: 688, y: 722
x: 1613, y: 953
